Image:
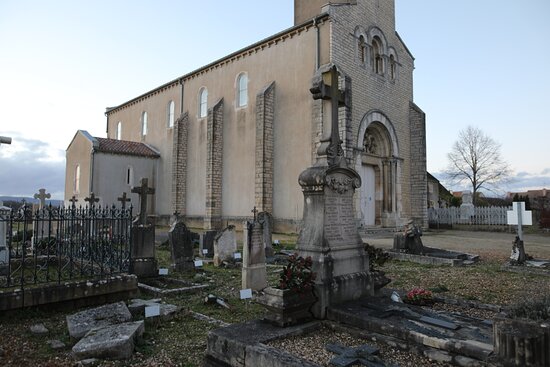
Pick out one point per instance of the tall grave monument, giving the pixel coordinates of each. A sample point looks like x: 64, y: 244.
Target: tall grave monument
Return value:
x: 329, y: 234
x: 143, y: 262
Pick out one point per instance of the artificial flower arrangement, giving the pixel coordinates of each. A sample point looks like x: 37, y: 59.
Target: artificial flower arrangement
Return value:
x: 297, y: 274
x: 419, y: 296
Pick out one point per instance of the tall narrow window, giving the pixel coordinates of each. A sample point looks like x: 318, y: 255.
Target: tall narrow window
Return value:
x: 242, y: 90
x: 377, y: 60
x: 170, y: 113
x: 119, y: 130
x: 203, y: 102
x: 362, y: 50
x: 144, y: 123
x: 130, y: 176
x: 393, y: 67
x: 76, y: 186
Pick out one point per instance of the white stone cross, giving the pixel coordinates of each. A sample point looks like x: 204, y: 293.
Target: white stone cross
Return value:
x: 518, y: 216
x: 42, y: 196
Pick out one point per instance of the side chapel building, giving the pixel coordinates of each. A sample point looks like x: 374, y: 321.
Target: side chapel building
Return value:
x: 236, y: 133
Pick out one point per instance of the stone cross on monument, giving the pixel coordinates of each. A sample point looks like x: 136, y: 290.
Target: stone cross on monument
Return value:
x: 42, y: 196
x: 92, y: 199
x: 255, y: 211
x: 143, y: 190
x: 123, y: 199
x: 331, y: 144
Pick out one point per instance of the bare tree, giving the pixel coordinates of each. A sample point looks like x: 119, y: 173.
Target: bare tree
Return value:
x: 475, y: 158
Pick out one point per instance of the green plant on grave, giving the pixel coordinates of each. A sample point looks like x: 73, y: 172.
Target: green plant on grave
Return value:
x: 377, y: 256
x: 538, y: 309
x: 297, y: 274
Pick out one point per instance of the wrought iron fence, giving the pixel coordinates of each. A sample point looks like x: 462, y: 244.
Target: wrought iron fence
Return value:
x: 481, y: 216
x: 57, y: 244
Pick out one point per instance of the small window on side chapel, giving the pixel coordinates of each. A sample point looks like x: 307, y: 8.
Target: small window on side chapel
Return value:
x: 242, y: 90
x: 362, y: 50
x: 130, y: 176
x: 203, y: 103
x: 144, y: 123
x: 170, y: 113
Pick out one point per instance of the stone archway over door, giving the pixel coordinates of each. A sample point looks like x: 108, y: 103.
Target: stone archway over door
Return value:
x: 378, y: 166
x: 368, y: 195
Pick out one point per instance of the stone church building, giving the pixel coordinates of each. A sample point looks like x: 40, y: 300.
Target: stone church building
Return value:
x: 236, y: 133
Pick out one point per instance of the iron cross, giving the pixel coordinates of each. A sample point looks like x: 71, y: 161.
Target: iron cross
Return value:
x: 143, y: 191
x: 123, y: 199
x: 73, y: 201
x: 92, y: 199
x: 42, y: 196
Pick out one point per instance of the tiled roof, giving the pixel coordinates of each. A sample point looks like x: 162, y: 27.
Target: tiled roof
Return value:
x: 114, y: 146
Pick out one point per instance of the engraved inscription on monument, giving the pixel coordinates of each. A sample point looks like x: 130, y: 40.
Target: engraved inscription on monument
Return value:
x: 340, y: 224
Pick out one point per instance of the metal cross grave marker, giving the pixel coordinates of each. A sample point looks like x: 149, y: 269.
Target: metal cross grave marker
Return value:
x: 520, y: 217
x: 73, y: 201
x: 143, y: 190
x: 42, y: 196
x: 123, y: 199
x: 92, y: 199
x: 363, y: 354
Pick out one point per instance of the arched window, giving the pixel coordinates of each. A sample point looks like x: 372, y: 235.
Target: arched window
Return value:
x: 393, y: 67
x: 377, y: 58
x: 203, y: 102
x: 242, y: 90
x: 76, y: 183
x: 144, y: 123
x: 362, y: 50
x: 170, y: 113
x: 118, y: 131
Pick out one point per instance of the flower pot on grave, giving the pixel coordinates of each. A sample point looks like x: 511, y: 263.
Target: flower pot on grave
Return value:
x: 286, y: 307
x: 519, y: 342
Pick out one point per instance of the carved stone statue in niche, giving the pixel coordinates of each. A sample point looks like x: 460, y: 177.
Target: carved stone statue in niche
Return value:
x: 369, y: 143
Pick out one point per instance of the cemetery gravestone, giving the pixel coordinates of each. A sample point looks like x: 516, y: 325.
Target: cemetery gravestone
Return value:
x: 206, y: 243
x: 225, y: 245
x: 467, y: 209
x: 267, y: 221
x: 181, y: 245
x: 4, y: 251
x: 254, y: 273
x: 40, y: 226
x: 143, y: 262
x: 329, y: 233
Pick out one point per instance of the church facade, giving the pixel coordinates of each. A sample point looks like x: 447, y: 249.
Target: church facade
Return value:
x: 236, y: 134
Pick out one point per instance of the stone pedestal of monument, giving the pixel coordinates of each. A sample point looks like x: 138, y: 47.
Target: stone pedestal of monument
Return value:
x: 330, y: 236
x: 143, y: 263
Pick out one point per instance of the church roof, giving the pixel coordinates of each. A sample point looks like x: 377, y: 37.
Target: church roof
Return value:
x: 124, y: 147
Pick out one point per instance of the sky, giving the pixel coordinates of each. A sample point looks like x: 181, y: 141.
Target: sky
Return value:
x: 480, y: 63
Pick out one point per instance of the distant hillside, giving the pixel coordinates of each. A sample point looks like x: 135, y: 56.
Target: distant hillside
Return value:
x: 31, y: 200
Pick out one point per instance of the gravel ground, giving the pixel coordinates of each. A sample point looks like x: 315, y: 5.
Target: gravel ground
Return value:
x: 312, y: 348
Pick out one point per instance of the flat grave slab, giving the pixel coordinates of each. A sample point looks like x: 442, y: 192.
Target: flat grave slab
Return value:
x: 82, y: 322
x: 161, y: 286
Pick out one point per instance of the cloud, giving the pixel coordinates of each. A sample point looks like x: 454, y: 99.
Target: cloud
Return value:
x: 28, y: 165
x: 519, y: 182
